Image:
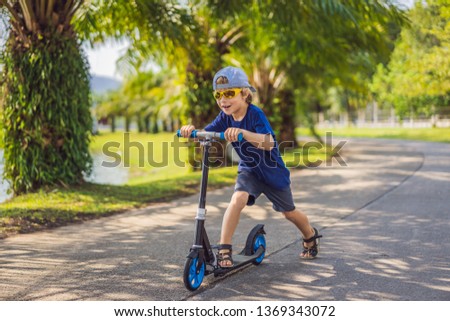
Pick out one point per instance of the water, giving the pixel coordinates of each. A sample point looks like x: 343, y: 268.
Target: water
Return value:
x: 104, y: 175
x: 3, y: 184
x: 100, y: 175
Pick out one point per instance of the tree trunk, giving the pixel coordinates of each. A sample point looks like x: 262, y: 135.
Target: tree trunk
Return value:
x: 140, y: 124
x: 155, y: 128
x: 202, y: 110
x: 147, y: 123
x: 47, y: 109
x: 288, y: 116
x: 127, y: 123
x: 202, y: 107
x: 113, y: 123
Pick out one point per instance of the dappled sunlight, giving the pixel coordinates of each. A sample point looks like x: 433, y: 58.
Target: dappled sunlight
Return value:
x: 363, y: 256
x: 329, y: 278
x: 118, y: 263
x: 435, y: 175
x: 388, y: 266
x: 139, y: 255
x: 149, y: 245
x: 259, y: 213
x: 441, y: 287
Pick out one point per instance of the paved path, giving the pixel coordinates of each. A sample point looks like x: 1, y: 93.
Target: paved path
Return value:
x: 384, y: 217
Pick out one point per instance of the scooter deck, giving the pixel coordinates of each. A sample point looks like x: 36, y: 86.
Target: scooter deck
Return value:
x: 239, y: 260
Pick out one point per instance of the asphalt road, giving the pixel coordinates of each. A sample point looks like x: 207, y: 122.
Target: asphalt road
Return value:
x: 384, y: 217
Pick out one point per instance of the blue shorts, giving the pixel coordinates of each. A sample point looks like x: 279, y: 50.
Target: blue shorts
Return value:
x: 281, y: 199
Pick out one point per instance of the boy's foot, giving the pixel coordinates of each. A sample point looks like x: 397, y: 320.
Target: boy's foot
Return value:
x: 311, y: 246
x: 224, y: 256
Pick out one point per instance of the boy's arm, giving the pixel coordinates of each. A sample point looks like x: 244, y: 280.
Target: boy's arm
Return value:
x: 217, y: 125
x: 261, y: 141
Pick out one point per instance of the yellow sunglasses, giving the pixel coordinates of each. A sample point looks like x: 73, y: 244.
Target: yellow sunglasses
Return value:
x: 229, y: 93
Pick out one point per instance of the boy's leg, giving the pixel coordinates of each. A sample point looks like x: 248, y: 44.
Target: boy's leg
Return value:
x: 283, y: 202
x: 301, y: 221
x: 232, y: 215
x: 230, y: 222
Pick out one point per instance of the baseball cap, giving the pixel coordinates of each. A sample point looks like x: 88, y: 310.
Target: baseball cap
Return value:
x: 236, y: 79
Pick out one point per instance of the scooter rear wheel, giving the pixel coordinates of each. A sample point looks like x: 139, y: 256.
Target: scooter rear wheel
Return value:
x: 193, y: 276
x: 259, y: 240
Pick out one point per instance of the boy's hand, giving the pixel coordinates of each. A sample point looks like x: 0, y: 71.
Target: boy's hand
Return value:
x: 187, y: 130
x: 231, y: 134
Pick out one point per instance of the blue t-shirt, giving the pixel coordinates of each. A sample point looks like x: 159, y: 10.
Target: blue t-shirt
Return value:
x: 268, y: 166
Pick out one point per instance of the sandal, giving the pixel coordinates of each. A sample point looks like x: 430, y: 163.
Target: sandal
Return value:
x: 310, y: 253
x: 225, y: 256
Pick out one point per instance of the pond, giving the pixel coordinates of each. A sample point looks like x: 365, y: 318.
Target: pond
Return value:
x: 100, y: 174
x: 3, y: 184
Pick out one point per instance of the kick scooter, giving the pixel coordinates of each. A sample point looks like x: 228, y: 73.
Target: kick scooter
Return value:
x: 202, y: 260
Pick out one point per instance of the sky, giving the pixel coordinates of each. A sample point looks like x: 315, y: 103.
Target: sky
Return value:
x: 102, y: 59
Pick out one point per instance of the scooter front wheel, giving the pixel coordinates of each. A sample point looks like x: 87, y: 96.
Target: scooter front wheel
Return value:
x: 259, y: 241
x: 193, y: 274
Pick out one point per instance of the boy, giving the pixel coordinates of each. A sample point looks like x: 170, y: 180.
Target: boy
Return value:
x: 261, y: 168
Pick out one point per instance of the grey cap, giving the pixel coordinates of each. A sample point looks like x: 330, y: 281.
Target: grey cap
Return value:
x: 236, y: 79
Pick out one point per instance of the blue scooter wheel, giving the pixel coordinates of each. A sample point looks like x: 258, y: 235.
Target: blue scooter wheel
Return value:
x: 258, y: 241
x: 193, y: 276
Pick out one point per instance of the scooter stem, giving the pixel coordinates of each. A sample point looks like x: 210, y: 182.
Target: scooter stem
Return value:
x: 201, y: 211
x: 205, y: 173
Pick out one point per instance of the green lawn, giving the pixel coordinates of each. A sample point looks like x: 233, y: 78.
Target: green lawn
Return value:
x: 57, y: 206
x: 149, y: 157
x: 425, y: 134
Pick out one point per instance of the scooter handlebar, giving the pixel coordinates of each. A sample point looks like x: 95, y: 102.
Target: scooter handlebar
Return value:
x: 209, y: 135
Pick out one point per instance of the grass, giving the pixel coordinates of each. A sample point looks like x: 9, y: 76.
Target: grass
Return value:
x: 420, y: 134
x: 48, y: 208
x: 148, y: 157
x: 58, y: 206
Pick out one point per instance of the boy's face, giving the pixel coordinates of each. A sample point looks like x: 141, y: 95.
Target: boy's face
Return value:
x: 231, y: 103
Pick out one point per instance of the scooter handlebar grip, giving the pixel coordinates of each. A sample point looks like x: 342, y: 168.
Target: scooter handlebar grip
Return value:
x: 240, y: 136
x: 221, y: 135
x: 193, y: 134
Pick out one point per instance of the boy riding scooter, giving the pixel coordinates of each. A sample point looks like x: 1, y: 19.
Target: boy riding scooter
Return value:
x: 261, y: 168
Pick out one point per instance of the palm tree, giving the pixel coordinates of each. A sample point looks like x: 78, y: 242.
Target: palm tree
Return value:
x: 149, y: 97
x: 302, y: 42
x: 339, y: 45
x: 46, y: 109
x: 209, y: 42
x: 46, y: 112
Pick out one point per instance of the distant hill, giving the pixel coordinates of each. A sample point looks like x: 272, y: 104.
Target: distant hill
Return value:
x: 102, y: 84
